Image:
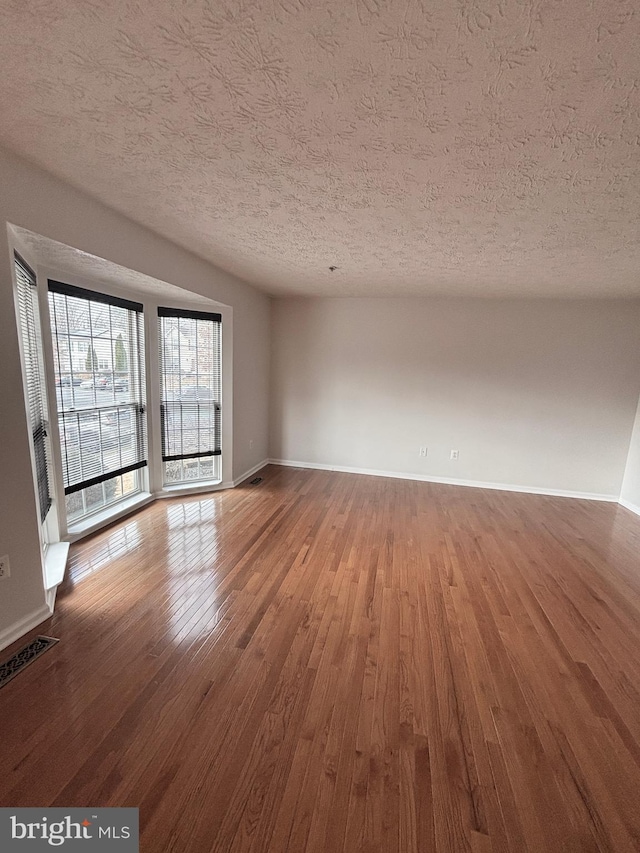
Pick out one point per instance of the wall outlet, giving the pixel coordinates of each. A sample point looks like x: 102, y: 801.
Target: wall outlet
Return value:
x: 5, y: 568
x: 422, y: 451
x: 251, y: 444
x: 454, y: 454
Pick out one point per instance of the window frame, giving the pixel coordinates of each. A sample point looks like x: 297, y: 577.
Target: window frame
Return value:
x: 214, y: 406
x: 135, y: 408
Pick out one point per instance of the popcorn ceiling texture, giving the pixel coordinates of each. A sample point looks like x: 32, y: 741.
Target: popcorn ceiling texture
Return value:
x: 64, y: 260
x: 473, y: 147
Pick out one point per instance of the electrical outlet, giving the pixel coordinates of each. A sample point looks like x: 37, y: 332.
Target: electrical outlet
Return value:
x: 5, y: 568
x: 251, y: 444
x: 422, y: 451
x: 454, y: 454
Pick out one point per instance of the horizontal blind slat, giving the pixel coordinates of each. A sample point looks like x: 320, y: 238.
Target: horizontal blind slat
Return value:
x: 32, y: 353
x: 98, y: 350
x: 190, y: 383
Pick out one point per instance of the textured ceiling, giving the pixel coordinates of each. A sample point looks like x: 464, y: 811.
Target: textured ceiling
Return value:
x: 480, y: 146
x: 60, y: 259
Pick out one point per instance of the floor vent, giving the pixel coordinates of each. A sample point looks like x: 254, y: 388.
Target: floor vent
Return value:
x: 24, y: 657
x: 256, y: 480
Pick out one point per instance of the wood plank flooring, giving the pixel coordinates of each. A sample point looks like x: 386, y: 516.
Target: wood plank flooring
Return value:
x: 333, y: 662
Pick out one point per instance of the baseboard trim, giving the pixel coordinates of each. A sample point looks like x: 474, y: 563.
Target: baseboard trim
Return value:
x: 631, y: 507
x: 251, y: 471
x: 23, y: 626
x: 449, y: 481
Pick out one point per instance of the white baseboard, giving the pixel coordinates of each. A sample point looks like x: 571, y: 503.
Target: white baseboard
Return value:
x: 23, y: 626
x: 449, y: 481
x: 251, y: 471
x: 631, y: 507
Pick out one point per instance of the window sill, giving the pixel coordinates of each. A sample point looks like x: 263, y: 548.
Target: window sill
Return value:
x: 107, y: 516
x: 55, y: 563
x: 178, y: 489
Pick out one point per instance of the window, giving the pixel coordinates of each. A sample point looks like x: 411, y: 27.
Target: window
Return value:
x: 32, y: 346
x: 190, y: 394
x: 99, y: 372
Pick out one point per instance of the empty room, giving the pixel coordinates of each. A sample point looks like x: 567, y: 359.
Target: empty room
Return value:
x: 320, y: 426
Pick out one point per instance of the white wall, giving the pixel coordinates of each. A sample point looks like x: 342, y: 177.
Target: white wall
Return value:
x: 630, y: 495
x: 35, y: 200
x: 538, y: 394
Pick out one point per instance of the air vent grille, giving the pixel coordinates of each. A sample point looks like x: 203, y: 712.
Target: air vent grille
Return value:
x: 17, y: 662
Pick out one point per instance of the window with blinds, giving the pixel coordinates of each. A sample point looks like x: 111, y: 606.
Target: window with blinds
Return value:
x: 190, y: 393
x: 32, y: 347
x: 98, y: 348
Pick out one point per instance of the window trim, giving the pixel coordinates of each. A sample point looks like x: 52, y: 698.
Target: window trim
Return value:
x: 215, y: 406
x: 138, y: 406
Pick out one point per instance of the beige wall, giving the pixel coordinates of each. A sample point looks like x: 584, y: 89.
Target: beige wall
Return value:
x: 35, y: 200
x: 538, y: 394
x: 630, y: 495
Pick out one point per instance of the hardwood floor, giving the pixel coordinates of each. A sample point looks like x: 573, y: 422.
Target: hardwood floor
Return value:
x: 333, y: 662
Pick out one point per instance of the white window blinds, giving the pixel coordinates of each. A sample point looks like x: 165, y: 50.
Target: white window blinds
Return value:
x: 190, y: 383
x: 32, y: 346
x: 99, y: 366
